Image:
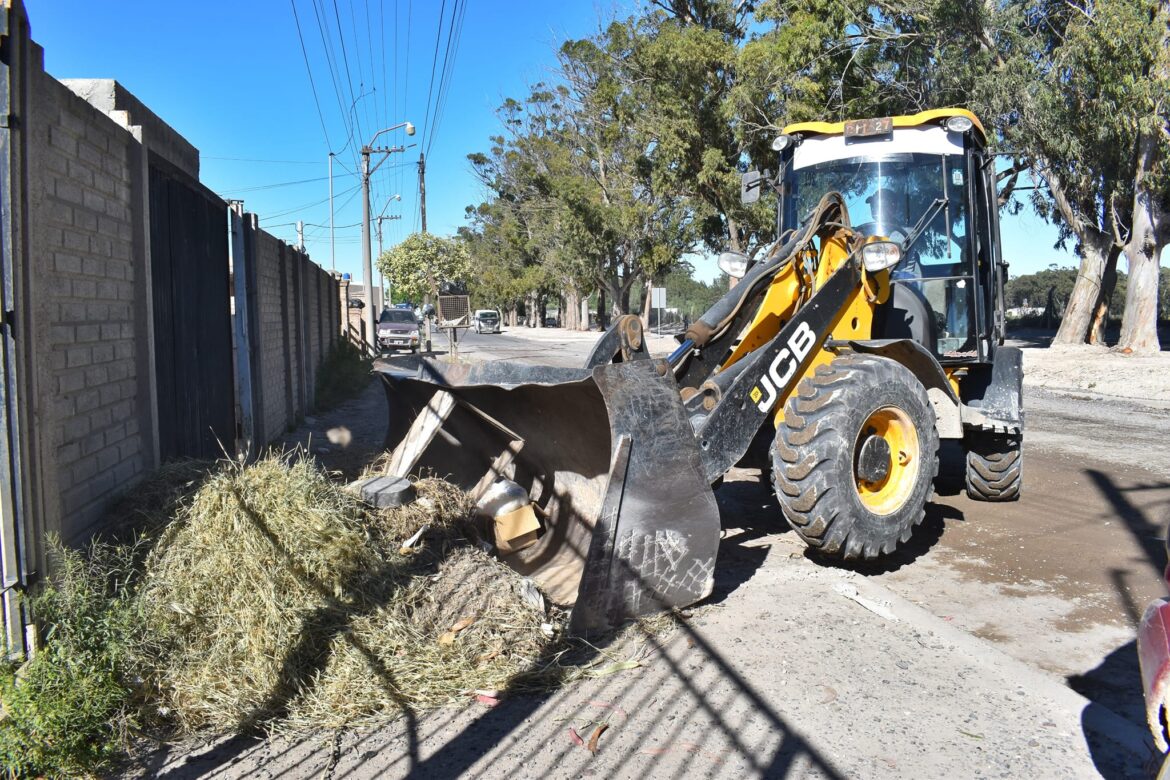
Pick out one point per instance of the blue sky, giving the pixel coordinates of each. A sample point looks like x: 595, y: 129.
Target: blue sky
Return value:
x: 232, y: 78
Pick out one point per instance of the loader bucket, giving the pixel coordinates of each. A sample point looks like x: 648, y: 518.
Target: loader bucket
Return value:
x: 629, y: 522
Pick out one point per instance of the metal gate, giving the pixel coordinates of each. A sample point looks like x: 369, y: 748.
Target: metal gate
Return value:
x: 191, y: 285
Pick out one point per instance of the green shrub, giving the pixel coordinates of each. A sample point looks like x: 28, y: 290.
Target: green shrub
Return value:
x: 343, y: 374
x: 68, y: 711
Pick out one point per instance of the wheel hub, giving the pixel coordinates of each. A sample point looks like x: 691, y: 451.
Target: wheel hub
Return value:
x: 886, y: 460
x: 873, y: 459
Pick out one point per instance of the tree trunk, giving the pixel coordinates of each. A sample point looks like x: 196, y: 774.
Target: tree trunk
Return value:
x: 571, y: 310
x: 1104, y: 296
x: 616, y: 292
x: 602, y: 321
x: 1139, y: 321
x: 1078, y: 314
x: 584, y: 312
x: 648, y: 301
x: 734, y: 245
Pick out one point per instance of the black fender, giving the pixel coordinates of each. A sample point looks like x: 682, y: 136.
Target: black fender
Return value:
x: 915, y: 357
x: 927, y: 370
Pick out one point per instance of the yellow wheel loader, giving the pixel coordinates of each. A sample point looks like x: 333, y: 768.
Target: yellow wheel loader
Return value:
x: 872, y: 330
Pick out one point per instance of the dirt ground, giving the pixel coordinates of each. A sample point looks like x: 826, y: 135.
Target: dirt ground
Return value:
x: 1004, y: 648
x: 1101, y: 372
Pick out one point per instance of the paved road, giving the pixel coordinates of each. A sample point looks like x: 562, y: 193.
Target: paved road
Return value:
x: 1058, y: 579
x: 1003, y: 648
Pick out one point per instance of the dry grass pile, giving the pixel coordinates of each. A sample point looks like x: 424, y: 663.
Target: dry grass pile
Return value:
x: 278, y: 595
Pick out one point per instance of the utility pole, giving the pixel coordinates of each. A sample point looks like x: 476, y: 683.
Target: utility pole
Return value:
x: 422, y: 189
x: 332, y: 247
x: 422, y: 208
x: 301, y: 235
x: 381, y: 278
x: 367, y: 260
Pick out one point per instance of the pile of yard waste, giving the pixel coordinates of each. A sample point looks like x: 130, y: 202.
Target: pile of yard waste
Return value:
x: 267, y: 597
x: 277, y: 596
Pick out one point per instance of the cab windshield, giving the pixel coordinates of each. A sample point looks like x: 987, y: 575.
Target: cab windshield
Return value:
x: 888, y: 196
x: 892, y: 195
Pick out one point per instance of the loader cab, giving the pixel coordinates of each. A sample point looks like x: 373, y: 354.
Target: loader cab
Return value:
x: 926, y: 182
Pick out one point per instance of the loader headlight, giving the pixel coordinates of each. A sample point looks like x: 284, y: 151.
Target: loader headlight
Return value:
x: 879, y: 255
x: 781, y: 142
x: 958, y: 124
x: 734, y: 264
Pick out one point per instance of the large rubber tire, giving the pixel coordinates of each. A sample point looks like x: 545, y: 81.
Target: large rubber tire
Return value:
x: 995, y: 467
x: 815, y: 457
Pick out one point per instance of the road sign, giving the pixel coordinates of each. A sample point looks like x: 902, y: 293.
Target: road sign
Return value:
x: 658, y: 297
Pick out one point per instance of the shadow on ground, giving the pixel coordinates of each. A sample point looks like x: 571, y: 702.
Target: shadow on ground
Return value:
x: 1116, y: 683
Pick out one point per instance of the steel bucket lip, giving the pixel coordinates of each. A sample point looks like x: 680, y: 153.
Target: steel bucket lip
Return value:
x: 497, y: 373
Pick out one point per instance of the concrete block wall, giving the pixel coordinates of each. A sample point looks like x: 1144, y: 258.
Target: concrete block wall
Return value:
x: 78, y: 167
x: 89, y: 291
x: 271, y: 303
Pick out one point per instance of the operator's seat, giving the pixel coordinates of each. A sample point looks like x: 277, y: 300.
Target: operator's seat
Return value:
x: 906, y: 315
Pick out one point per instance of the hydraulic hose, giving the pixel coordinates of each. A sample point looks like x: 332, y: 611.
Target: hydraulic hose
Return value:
x: 720, y: 316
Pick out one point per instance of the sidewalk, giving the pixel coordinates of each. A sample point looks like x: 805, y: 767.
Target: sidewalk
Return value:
x: 782, y: 675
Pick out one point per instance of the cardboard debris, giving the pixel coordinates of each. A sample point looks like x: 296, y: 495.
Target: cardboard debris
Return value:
x: 516, y: 530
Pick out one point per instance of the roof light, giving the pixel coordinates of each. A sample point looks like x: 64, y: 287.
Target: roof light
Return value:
x: 781, y: 142
x: 958, y: 124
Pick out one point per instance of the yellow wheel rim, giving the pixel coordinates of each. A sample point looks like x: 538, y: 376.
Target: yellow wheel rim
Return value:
x: 886, y: 495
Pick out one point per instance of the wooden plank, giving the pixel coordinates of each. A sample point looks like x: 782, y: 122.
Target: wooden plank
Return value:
x: 502, y: 461
x: 421, y: 434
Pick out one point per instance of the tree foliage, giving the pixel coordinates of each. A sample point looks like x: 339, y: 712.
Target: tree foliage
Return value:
x: 423, y: 262
x: 607, y: 176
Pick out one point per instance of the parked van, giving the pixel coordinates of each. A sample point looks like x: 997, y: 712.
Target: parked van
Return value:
x: 486, y: 321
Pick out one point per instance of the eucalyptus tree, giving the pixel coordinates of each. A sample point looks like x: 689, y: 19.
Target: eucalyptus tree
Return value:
x: 1089, y: 84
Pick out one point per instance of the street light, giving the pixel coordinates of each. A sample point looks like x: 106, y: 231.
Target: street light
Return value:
x: 367, y: 261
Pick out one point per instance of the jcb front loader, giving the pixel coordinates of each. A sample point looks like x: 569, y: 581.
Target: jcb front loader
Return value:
x: 872, y: 330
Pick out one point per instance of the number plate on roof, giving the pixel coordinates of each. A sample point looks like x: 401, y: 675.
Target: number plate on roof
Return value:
x: 857, y: 128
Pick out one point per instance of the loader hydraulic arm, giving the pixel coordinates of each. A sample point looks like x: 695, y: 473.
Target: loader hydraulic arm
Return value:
x: 768, y: 374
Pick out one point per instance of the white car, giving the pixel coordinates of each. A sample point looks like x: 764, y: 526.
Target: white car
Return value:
x: 486, y: 321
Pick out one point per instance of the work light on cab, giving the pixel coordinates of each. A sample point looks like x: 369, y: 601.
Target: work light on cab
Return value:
x: 958, y: 124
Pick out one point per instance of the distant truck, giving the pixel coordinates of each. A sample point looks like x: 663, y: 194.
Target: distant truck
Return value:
x: 486, y: 321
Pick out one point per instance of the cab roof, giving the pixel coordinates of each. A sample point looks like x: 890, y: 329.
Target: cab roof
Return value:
x: 935, y: 115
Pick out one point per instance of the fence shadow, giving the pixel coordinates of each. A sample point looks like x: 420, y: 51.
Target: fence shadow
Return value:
x: 1115, y: 685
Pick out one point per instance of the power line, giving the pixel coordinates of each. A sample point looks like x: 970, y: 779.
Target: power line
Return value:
x: 406, y: 75
x: 312, y: 85
x: 434, y: 63
x: 448, y: 69
x: 304, y: 206
x: 276, y: 185
x: 357, y: 56
x: 335, y: 78
x: 345, y: 59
